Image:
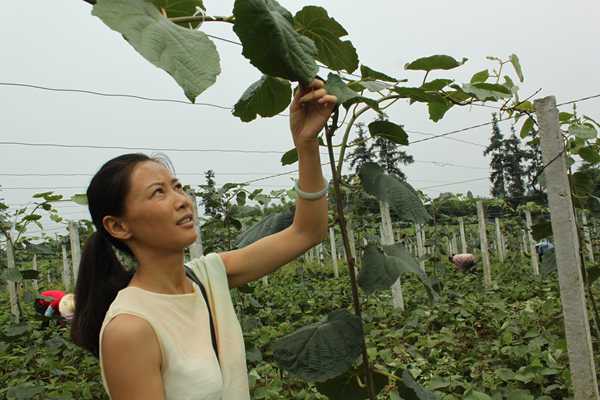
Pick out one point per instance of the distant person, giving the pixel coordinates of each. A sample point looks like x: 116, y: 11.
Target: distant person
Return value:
x: 48, y: 305
x: 463, y: 262
x: 543, y: 247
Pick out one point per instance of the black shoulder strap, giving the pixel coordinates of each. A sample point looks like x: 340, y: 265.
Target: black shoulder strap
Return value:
x: 213, y: 336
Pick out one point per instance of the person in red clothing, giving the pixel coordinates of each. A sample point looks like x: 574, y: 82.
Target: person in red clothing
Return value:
x: 47, y: 305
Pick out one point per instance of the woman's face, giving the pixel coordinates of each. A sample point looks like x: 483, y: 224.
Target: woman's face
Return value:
x: 154, y: 209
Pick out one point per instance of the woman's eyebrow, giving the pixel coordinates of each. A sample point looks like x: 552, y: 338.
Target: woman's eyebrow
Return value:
x: 174, y: 180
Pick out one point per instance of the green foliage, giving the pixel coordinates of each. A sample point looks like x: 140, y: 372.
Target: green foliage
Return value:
x: 434, y: 62
x: 266, y: 97
x: 368, y: 74
x: 323, y: 350
x: 401, y: 197
x: 271, y: 43
x: 271, y: 224
x: 388, y: 130
x: 190, y: 57
x: 315, y: 23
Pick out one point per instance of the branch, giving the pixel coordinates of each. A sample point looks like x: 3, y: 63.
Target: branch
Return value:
x: 201, y: 18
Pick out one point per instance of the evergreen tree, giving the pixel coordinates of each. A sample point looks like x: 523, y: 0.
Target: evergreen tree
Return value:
x: 496, y: 151
x: 210, y: 197
x: 514, y: 172
x: 362, y: 153
x: 534, y: 164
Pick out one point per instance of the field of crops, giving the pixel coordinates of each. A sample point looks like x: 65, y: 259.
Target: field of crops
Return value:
x: 503, y: 343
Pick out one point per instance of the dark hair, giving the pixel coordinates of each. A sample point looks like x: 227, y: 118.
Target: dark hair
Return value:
x: 101, y: 274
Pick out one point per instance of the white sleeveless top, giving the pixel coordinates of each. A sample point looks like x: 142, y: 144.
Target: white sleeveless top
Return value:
x: 190, y: 369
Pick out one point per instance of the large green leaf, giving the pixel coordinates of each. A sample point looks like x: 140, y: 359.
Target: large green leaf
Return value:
x: 266, y: 97
x: 189, y: 56
x: 347, y: 386
x: 378, y: 271
x: 271, y: 43
x: 480, y: 76
x: 487, y: 91
x: 514, y: 60
x: 437, y: 109
x: 323, y: 350
x: 381, y: 269
x: 371, y: 74
x: 325, y: 32
x: 434, y: 62
x: 409, y: 264
x: 526, y: 128
x: 583, y: 131
x: 271, y: 224
x: 346, y: 96
x: 590, y: 154
x: 80, y: 198
x: 436, y: 84
x: 401, y: 197
x: 389, y: 131
x: 289, y: 157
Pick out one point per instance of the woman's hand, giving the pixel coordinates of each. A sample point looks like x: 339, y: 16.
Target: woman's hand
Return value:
x: 309, y: 111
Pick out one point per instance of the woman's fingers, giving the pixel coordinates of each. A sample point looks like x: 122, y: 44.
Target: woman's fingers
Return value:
x: 315, y: 94
x: 327, y: 99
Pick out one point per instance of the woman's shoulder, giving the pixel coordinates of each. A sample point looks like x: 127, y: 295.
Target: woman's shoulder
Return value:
x: 209, y: 268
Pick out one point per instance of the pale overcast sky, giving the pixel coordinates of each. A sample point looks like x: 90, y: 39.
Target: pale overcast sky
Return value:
x: 60, y: 44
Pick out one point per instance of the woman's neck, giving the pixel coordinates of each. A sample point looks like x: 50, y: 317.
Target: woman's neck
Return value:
x: 162, y: 273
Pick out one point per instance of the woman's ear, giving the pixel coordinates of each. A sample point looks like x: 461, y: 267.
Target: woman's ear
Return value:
x: 116, y: 227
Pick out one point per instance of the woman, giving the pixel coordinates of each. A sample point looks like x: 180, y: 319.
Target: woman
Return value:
x: 150, y: 327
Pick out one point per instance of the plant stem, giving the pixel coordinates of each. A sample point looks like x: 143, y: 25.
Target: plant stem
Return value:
x: 201, y: 18
x: 341, y: 219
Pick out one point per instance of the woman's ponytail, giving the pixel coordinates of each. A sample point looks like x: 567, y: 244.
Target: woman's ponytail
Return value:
x: 100, y: 278
x: 101, y: 274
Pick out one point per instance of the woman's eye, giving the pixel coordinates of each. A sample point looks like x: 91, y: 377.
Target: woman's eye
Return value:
x: 157, y: 191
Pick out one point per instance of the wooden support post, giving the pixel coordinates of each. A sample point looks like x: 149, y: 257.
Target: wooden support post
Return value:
x: 420, y: 245
x: 75, y: 248
x: 334, y: 260
x: 454, y: 243
x: 535, y: 265
x: 388, y: 239
x: 463, y: 237
x: 524, y: 242
x: 587, y: 237
x: 320, y: 254
x: 499, y: 246
x: 34, y: 283
x: 66, y: 273
x: 11, y: 286
x: 196, y: 248
x: 572, y: 294
x: 487, y: 269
